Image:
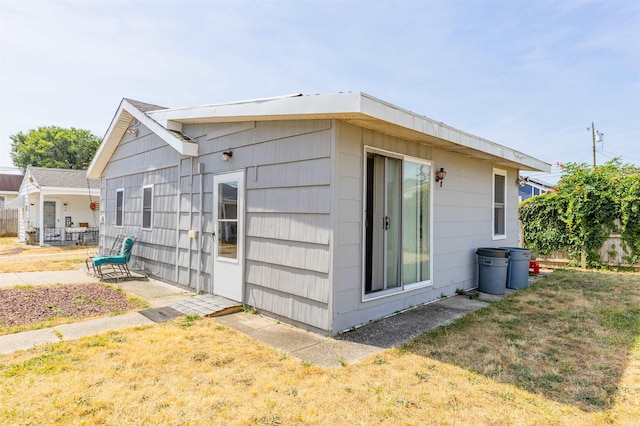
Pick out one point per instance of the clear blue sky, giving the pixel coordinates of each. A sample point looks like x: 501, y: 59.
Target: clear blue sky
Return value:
x: 531, y: 75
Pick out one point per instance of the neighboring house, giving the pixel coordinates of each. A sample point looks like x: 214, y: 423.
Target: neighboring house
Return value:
x: 530, y: 187
x: 68, y: 201
x: 323, y: 211
x: 9, y: 188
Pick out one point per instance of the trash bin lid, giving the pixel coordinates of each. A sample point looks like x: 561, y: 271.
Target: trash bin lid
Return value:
x: 518, y: 253
x: 492, y: 252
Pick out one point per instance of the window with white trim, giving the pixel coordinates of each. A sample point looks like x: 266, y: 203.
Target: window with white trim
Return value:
x: 119, y: 207
x: 499, y: 221
x: 147, y: 206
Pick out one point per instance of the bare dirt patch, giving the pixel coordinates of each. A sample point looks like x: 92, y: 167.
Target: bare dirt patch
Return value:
x: 29, y: 305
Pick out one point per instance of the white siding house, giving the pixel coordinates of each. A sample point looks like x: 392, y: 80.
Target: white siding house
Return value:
x: 59, y: 205
x: 322, y: 211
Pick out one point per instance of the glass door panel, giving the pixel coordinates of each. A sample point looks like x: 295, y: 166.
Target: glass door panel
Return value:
x: 228, y: 220
x: 49, y: 214
x: 393, y: 222
x: 415, y: 222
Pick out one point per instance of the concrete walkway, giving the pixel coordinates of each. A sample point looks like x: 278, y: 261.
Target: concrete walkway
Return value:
x: 310, y: 347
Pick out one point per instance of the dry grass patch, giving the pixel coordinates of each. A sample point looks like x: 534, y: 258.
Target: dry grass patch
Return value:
x: 197, y: 372
x: 570, y: 338
x: 19, y: 257
x: 43, y: 265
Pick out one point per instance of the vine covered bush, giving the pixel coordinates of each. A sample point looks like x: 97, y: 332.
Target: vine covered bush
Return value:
x: 584, y: 209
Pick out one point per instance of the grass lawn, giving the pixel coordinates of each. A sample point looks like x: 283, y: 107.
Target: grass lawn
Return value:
x: 564, y: 351
x: 19, y: 257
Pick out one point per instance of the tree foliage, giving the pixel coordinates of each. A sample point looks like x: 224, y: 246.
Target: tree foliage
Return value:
x: 54, y: 147
x: 584, y: 209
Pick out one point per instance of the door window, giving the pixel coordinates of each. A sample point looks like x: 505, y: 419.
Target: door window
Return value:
x: 228, y: 220
x: 49, y: 214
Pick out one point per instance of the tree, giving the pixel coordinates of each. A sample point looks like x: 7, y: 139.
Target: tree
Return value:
x: 586, y: 207
x: 54, y: 147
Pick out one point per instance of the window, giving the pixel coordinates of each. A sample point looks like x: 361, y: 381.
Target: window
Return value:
x: 1, y: 201
x: 397, y: 223
x: 119, y: 206
x: 147, y: 206
x: 499, y: 204
x: 227, y: 193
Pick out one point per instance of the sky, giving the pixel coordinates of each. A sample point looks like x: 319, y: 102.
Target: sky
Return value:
x: 530, y: 75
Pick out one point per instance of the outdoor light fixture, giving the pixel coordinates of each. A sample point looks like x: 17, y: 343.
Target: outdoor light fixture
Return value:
x: 521, y: 180
x: 226, y: 155
x: 440, y: 174
x: 132, y: 131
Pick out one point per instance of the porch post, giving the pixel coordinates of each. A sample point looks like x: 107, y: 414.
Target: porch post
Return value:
x: 41, y: 218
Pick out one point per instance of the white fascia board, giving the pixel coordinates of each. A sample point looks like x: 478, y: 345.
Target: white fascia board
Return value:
x: 54, y: 190
x: 183, y: 147
x: 343, y: 105
x: 315, y: 106
x: 384, y: 111
x: 116, y: 130
x: 124, y: 115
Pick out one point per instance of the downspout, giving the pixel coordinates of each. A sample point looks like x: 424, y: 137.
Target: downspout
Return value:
x: 190, y: 214
x: 179, y: 195
x: 201, y: 228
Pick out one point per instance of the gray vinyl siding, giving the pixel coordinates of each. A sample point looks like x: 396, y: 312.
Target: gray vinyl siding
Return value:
x: 138, y: 161
x: 287, y: 209
x: 461, y: 214
x: 303, y: 239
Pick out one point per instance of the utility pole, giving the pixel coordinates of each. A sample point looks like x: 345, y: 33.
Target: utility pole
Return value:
x: 583, y: 254
x: 593, y: 138
x: 596, y: 136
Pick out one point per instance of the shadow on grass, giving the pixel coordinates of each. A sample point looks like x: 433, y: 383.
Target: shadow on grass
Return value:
x: 569, y: 337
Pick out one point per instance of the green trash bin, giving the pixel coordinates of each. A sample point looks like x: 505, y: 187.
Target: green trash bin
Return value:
x: 518, y: 270
x: 492, y: 270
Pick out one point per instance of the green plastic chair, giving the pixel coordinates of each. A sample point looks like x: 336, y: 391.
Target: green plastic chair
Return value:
x: 118, y: 262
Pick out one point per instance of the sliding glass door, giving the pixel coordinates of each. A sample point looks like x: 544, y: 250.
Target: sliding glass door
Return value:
x: 397, y: 222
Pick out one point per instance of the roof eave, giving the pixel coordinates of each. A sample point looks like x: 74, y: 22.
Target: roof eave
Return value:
x: 359, y: 109
x: 119, y: 124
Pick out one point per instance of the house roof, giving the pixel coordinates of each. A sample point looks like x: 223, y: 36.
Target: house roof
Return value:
x: 10, y: 182
x: 536, y: 182
x: 61, y: 178
x: 353, y: 107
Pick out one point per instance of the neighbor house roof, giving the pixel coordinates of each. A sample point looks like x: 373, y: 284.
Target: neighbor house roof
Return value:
x: 55, y: 181
x: 10, y: 182
x: 537, y: 182
x: 61, y: 178
x: 353, y: 107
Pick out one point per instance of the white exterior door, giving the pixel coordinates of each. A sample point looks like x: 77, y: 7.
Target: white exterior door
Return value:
x: 228, y: 241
